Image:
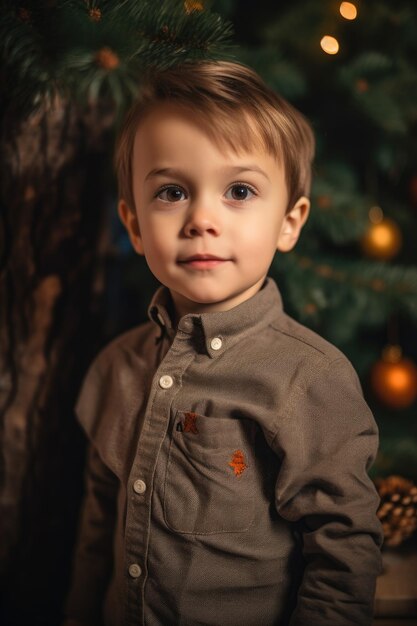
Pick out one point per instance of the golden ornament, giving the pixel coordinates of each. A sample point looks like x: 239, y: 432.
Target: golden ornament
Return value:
x: 107, y: 59
x: 398, y: 508
x: 383, y: 239
x: 394, y: 379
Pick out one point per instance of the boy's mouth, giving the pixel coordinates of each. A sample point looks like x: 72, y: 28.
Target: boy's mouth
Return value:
x: 202, y: 261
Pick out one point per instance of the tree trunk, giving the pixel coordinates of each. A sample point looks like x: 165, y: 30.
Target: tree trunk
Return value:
x: 51, y: 227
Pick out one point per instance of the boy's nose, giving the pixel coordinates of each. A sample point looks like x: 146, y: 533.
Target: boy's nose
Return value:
x: 201, y: 220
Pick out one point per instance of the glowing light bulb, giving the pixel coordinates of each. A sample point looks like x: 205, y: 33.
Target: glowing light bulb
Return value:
x: 329, y: 44
x: 348, y: 10
x: 398, y: 380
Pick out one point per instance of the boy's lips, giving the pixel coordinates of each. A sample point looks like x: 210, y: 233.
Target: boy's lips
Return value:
x: 203, y: 261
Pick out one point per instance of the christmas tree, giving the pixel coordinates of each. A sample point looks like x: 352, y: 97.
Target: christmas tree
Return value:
x: 350, y: 67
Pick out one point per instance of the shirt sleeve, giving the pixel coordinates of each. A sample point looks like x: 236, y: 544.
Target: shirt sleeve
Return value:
x: 93, y: 557
x: 327, y: 441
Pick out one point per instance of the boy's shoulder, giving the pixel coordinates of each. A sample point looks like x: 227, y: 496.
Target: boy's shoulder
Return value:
x: 301, y: 354
x: 138, y: 340
x: 132, y: 347
x: 287, y: 341
x: 308, y: 362
x: 303, y: 340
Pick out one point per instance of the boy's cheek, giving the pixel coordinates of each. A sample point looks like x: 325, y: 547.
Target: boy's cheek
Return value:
x: 158, y: 256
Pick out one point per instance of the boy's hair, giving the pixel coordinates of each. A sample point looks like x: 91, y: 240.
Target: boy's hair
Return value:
x: 238, y: 110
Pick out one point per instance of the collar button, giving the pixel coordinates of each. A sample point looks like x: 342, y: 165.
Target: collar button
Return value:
x: 216, y: 343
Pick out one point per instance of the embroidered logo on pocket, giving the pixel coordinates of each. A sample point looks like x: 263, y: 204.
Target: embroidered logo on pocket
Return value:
x: 190, y: 425
x: 238, y: 463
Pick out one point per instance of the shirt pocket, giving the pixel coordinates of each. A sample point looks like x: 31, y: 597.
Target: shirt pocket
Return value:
x: 210, y: 478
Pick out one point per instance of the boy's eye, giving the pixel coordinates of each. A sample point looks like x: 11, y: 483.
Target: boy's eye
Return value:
x: 240, y: 191
x: 170, y: 194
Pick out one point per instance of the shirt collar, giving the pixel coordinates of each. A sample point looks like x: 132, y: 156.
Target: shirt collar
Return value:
x: 229, y: 326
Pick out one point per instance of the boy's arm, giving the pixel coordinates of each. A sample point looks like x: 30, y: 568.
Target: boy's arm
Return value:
x: 327, y: 442
x: 93, y: 559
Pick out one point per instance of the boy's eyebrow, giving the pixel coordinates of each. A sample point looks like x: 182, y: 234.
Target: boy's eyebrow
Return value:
x: 235, y: 169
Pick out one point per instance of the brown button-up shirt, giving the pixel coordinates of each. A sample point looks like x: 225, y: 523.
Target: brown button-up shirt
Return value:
x: 226, y: 482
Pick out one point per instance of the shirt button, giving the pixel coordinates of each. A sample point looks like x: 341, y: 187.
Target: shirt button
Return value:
x: 166, y: 382
x: 186, y: 325
x: 134, y: 570
x: 139, y: 486
x: 216, y: 343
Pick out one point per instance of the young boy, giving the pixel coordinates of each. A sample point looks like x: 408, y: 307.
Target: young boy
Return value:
x: 229, y: 445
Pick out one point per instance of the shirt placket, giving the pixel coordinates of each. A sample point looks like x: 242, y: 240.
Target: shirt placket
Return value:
x: 165, y: 385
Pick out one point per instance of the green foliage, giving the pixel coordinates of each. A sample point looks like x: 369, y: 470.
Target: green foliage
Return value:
x: 340, y: 209
x: 389, y: 89
x: 340, y: 295
x: 23, y: 60
x: 398, y: 446
x: 87, y: 51
x: 278, y: 72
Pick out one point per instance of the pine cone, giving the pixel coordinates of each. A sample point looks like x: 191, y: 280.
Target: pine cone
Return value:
x: 398, y: 508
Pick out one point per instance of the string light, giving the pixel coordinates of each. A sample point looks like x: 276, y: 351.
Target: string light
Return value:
x: 348, y: 10
x: 329, y: 44
x: 383, y: 238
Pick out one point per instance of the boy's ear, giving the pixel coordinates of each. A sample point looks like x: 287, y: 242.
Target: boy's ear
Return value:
x: 130, y: 220
x: 293, y: 222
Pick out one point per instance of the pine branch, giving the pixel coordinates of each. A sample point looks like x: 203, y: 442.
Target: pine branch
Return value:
x: 279, y: 72
x: 383, y: 89
x: 91, y: 50
x: 356, y: 293
x: 27, y: 76
x: 340, y: 209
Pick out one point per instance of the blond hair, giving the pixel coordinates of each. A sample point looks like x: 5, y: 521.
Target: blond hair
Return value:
x: 237, y: 109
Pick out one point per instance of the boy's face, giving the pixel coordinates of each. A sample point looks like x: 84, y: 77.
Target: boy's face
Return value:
x: 207, y: 220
